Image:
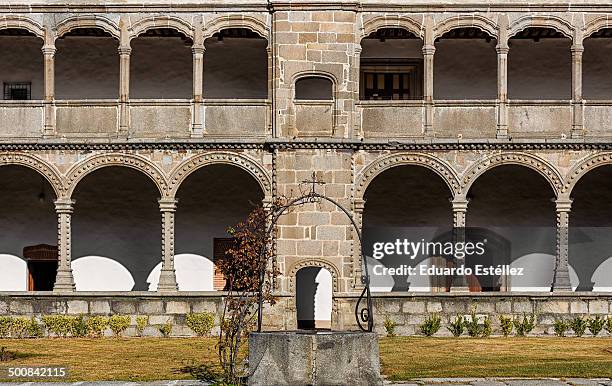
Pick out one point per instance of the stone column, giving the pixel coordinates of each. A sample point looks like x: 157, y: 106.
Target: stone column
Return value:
x: 167, y: 277
x: 48, y: 51
x: 358, y: 207
x: 124, y: 79
x: 270, y: 98
x: 561, y: 280
x: 459, y: 283
x: 64, y: 281
x: 428, y: 68
x: 577, y: 116
x: 502, y: 78
x: 197, y: 126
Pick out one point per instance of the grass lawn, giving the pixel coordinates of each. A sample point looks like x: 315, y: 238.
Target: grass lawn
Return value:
x: 140, y: 359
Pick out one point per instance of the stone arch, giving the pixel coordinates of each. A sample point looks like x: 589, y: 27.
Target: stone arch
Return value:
x: 392, y: 21
x: 20, y: 22
x: 235, y: 21
x: 88, y: 21
x: 163, y: 21
x: 190, y: 165
x: 539, y: 21
x: 462, y: 21
x: 88, y: 165
x: 583, y: 167
x: 597, y: 24
x: 544, y: 168
x: 48, y: 171
x: 318, y: 263
x: 440, y: 167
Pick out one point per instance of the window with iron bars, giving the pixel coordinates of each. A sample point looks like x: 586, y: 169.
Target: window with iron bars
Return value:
x: 17, y: 90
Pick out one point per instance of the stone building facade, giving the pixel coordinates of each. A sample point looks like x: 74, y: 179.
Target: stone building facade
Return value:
x: 504, y: 110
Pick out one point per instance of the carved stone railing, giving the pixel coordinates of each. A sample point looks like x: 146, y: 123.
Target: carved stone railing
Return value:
x: 167, y: 118
x: 396, y: 119
x: 539, y: 119
x: 21, y: 119
x: 236, y: 117
x: 464, y: 119
x: 598, y: 118
x: 86, y: 118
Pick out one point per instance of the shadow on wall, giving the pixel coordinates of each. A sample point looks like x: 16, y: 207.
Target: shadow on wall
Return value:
x: 313, y: 298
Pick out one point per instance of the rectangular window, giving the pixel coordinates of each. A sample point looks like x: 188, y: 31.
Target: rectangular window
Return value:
x: 391, y: 79
x: 17, y: 90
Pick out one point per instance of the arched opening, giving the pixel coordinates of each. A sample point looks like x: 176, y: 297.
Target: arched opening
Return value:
x: 116, y: 230
x: 590, y: 227
x: 210, y: 200
x: 539, y: 65
x: 391, y: 65
x: 313, y: 297
x: 87, y: 56
x: 409, y: 203
x: 236, y: 65
x: 161, y: 65
x: 21, y: 67
x: 28, y: 226
x: 512, y: 208
x: 596, y: 81
x: 314, y: 88
x: 465, y: 65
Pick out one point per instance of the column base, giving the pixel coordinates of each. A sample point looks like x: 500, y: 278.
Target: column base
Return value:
x: 64, y: 281
x: 167, y: 281
x: 561, y: 283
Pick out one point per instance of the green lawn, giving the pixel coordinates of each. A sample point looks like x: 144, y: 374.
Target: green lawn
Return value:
x: 140, y: 359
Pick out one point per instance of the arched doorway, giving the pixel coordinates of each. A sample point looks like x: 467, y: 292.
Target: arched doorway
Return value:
x: 512, y: 208
x: 411, y: 203
x: 313, y: 297
x: 210, y: 200
x: 28, y: 226
x: 116, y: 235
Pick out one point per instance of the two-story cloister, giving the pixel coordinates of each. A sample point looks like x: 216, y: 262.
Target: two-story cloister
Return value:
x: 133, y: 134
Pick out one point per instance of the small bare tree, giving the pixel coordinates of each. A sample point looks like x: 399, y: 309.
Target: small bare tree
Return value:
x: 242, y: 266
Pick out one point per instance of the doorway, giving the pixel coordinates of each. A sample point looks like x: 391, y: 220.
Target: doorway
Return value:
x: 313, y: 298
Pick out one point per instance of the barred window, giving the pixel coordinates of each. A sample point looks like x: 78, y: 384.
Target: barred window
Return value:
x: 17, y: 90
x: 389, y: 79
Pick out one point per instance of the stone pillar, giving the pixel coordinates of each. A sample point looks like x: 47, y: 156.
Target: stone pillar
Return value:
x: 459, y: 283
x: 428, y: 68
x: 124, y: 79
x: 270, y: 98
x: 577, y: 116
x: 561, y: 281
x: 358, y: 207
x: 48, y: 51
x: 167, y: 277
x: 197, y: 126
x: 64, y: 281
x: 502, y: 78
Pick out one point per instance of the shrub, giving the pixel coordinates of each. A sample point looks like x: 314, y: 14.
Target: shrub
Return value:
x: 487, y: 327
x: 35, y: 330
x: 165, y: 329
x: 524, y: 326
x: 431, y: 325
x: 596, y: 325
x: 96, y: 325
x: 6, y: 355
x: 560, y: 327
x: 79, y: 327
x: 5, y: 326
x: 506, y: 325
x: 59, y: 325
x: 141, y: 323
x: 578, y: 325
x: 390, y: 326
x: 609, y: 325
x: 19, y: 327
x: 473, y: 328
x: 203, y: 323
x: 457, y: 326
x: 119, y: 323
